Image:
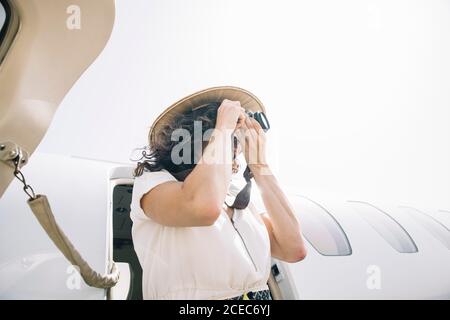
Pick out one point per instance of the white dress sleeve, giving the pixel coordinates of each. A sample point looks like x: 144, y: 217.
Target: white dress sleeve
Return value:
x: 143, y: 184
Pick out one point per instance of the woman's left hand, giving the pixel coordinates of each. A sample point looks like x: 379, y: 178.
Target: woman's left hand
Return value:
x: 252, y: 140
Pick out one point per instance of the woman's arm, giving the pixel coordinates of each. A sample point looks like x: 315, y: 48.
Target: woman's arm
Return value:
x: 197, y: 201
x: 286, y: 240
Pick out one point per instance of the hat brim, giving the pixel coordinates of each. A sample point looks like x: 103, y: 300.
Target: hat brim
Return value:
x: 215, y: 94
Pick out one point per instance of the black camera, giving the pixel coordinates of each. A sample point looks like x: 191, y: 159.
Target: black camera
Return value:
x: 261, y: 118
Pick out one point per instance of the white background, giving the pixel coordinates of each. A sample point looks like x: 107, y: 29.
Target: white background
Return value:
x: 357, y: 91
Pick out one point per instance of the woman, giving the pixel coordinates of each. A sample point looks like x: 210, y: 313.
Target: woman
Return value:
x: 192, y: 239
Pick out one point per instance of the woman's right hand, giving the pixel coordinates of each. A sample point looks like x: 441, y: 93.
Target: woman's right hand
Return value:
x: 229, y: 114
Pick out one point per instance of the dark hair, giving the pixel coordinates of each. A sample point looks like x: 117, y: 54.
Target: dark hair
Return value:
x: 159, y: 156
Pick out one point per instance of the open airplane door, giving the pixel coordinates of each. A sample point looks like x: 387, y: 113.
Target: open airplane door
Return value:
x: 45, y: 47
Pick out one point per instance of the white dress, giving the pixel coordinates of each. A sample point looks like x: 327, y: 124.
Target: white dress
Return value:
x: 219, y: 261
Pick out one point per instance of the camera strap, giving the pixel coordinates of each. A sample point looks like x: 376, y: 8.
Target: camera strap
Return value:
x: 243, y: 197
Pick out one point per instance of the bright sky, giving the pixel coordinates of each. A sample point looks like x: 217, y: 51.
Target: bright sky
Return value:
x: 357, y: 91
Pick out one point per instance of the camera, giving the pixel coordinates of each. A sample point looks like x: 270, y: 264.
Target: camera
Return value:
x: 261, y: 118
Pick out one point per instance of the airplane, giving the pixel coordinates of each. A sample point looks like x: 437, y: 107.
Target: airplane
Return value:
x: 357, y: 248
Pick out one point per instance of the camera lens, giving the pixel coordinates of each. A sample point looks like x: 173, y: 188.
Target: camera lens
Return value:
x: 261, y: 118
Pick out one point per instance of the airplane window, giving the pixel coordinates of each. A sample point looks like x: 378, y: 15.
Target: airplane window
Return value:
x: 437, y: 229
x: 5, y: 23
x: 2, y: 17
x: 386, y: 226
x: 320, y: 228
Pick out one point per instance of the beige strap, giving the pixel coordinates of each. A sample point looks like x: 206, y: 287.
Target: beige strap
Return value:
x: 41, y: 209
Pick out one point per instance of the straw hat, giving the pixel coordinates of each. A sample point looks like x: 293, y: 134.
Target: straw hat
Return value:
x: 215, y: 94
